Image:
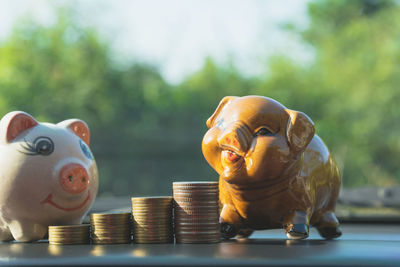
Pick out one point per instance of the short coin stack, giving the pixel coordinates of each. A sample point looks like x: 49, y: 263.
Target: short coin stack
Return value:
x: 196, y: 212
x: 152, y: 219
x: 69, y: 234
x: 110, y: 228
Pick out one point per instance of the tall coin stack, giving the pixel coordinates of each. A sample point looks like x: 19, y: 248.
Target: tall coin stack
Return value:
x: 196, y: 212
x: 152, y: 220
x: 69, y: 234
x: 111, y: 228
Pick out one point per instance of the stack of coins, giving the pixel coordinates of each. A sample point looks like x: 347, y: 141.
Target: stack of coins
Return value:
x: 69, y: 234
x: 110, y: 228
x: 152, y: 219
x: 196, y: 212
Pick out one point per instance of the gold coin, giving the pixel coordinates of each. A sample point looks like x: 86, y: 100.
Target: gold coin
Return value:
x: 150, y: 220
x: 154, y: 230
x: 201, y: 206
x: 111, y: 224
x: 85, y: 240
x: 188, y: 209
x: 111, y: 230
x: 200, y: 228
x: 151, y: 224
x: 194, y: 223
x: 75, y: 227
x: 153, y: 238
x: 202, y: 235
x: 211, y: 196
x: 152, y: 199
x: 151, y: 241
x: 111, y: 227
x: 152, y: 208
x: 115, y: 229
x: 110, y: 216
x: 197, y: 213
x: 167, y: 239
x: 147, y: 230
x: 152, y: 211
x: 142, y: 238
x: 209, y: 238
x: 125, y: 237
x: 111, y: 233
x: 108, y: 221
x: 109, y: 242
x: 68, y: 232
x: 69, y: 243
x: 195, y: 183
x: 105, y: 237
x: 122, y: 230
x: 152, y: 235
x: 152, y: 204
x: 69, y: 236
x: 195, y: 241
x: 152, y: 227
x: 210, y: 202
x: 143, y: 231
x: 116, y: 214
x: 196, y: 191
x: 146, y: 213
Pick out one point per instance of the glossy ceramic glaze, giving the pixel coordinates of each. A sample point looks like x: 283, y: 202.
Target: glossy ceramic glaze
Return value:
x: 274, y: 171
x: 48, y: 175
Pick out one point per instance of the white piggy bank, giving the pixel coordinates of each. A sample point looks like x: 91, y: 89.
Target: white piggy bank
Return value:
x: 48, y: 175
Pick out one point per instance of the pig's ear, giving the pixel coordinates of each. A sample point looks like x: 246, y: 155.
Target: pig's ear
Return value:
x: 15, y: 123
x: 78, y: 127
x: 222, y: 104
x: 300, y: 130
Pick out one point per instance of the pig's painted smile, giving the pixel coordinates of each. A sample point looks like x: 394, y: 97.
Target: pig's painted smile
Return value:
x: 49, y: 200
x: 232, y: 162
x: 230, y: 156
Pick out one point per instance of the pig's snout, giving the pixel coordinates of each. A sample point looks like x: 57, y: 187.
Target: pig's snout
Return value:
x: 74, y: 178
x: 236, y: 137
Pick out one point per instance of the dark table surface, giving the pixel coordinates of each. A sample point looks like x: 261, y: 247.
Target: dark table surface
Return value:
x: 360, y: 245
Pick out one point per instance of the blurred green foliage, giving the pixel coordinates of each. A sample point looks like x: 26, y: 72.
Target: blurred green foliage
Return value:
x: 147, y: 133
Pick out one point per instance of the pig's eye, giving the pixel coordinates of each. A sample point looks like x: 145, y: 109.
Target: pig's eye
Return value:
x: 43, y: 145
x: 85, y: 149
x: 264, y: 132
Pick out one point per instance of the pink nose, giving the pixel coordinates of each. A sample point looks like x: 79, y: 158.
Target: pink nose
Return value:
x: 74, y: 178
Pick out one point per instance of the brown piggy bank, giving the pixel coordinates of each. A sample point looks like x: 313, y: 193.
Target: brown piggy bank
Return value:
x: 274, y: 171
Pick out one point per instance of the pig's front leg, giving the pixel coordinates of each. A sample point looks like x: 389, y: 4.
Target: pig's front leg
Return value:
x: 5, y: 234
x: 296, y: 225
x: 230, y: 220
x: 27, y: 231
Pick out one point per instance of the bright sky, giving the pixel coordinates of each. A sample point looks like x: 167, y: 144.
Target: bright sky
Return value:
x: 177, y: 35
